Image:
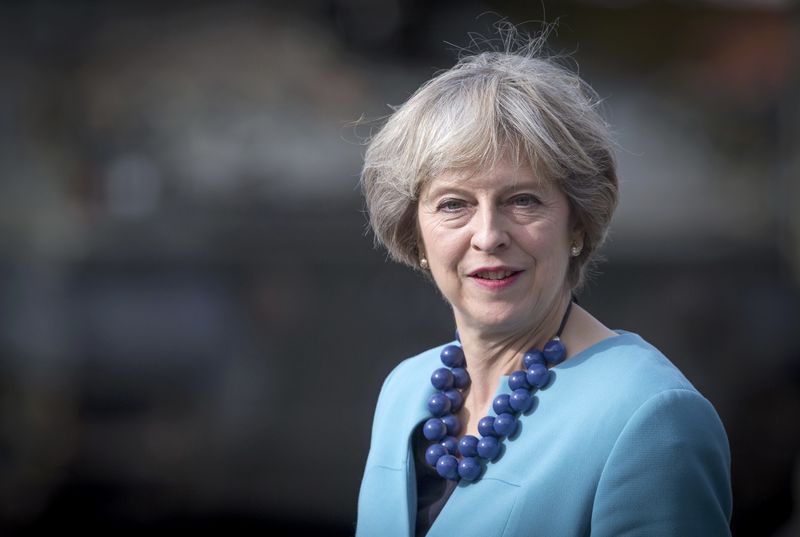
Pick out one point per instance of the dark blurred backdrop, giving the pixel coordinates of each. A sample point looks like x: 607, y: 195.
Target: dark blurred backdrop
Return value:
x: 194, y: 325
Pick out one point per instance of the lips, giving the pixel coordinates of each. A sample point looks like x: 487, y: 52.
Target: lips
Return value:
x: 493, y: 273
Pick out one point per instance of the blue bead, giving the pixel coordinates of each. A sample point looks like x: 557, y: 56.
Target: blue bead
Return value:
x: 434, y: 429
x: 505, y: 424
x: 447, y: 467
x: 520, y: 400
x: 469, y: 468
x: 456, y: 399
x: 486, y: 426
x: 453, y: 425
x: 533, y: 356
x: 439, y: 404
x: 501, y: 404
x: 518, y: 380
x: 538, y: 375
x: 442, y: 379
x: 450, y: 443
x: 554, y: 351
x: 433, y: 453
x: 461, y: 377
x: 468, y: 446
x: 452, y: 356
x: 488, y: 447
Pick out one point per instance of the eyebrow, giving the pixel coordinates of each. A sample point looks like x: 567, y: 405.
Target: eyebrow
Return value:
x: 436, y: 190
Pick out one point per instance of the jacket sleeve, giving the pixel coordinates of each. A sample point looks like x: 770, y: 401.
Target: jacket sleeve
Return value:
x: 668, y: 472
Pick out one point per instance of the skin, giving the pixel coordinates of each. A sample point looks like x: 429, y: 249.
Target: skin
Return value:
x: 503, y: 217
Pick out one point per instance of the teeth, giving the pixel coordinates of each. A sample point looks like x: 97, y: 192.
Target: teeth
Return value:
x: 494, y: 275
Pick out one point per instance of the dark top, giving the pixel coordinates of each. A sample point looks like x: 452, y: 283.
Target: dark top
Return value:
x: 432, y: 489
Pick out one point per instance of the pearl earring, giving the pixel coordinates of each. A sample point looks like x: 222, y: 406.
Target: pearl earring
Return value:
x: 575, y: 251
x: 423, y: 263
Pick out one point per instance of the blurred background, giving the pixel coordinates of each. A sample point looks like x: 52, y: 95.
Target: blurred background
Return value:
x: 194, y: 325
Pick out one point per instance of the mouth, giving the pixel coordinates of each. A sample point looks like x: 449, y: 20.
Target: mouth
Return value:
x: 494, y: 274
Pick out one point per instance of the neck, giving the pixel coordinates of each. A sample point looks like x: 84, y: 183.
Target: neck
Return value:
x: 500, y: 354
x: 491, y: 355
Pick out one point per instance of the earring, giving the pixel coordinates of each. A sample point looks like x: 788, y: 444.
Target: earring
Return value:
x: 423, y: 263
x: 575, y: 250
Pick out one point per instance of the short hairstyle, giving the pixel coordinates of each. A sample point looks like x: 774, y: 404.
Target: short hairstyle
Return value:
x: 490, y: 105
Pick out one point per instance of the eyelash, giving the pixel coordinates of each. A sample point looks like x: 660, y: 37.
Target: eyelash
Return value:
x: 447, y: 205
x: 455, y: 205
x: 532, y: 200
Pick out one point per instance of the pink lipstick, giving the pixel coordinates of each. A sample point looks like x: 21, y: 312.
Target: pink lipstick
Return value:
x: 495, y: 278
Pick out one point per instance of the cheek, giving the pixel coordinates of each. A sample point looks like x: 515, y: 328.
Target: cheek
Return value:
x: 547, y: 248
x: 446, y: 251
x: 440, y: 243
x: 542, y: 243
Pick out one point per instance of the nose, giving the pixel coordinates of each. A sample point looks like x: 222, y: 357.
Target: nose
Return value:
x: 489, y: 232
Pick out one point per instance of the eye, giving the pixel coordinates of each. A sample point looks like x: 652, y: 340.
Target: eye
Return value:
x: 450, y: 205
x: 524, y: 201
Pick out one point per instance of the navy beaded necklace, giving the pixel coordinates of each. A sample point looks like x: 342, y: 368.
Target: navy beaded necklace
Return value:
x: 444, y: 426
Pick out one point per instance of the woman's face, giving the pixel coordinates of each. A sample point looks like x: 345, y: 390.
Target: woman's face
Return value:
x: 497, y: 243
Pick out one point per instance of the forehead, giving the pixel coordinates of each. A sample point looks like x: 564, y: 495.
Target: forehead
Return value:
x: 503, y: 175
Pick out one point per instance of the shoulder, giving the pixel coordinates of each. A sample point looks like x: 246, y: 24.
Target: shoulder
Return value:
x: 403, y: 397
x: 662, y: 436
x: 661, y: 403
x: 623, y: 370
x: 649, y: 383
x: 671, y: 460
x: 635, y: 396
x: 411, y: 371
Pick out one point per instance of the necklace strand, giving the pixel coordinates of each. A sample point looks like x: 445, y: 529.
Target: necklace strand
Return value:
x: 450, y: 381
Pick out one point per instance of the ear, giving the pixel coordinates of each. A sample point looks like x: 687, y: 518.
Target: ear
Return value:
x: 422, y: 260
x: 577, y: 237
x: 419, y: 254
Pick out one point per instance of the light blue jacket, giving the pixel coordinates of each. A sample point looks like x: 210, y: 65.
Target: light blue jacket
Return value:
x: 619, y: 444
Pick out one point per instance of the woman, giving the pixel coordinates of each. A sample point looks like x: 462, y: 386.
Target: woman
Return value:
x: 497, y: 179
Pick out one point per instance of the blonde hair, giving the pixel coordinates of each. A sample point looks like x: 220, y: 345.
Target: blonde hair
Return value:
x: 490, y: 105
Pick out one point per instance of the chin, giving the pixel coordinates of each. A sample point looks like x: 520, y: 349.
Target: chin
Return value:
x: 497, y: 321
